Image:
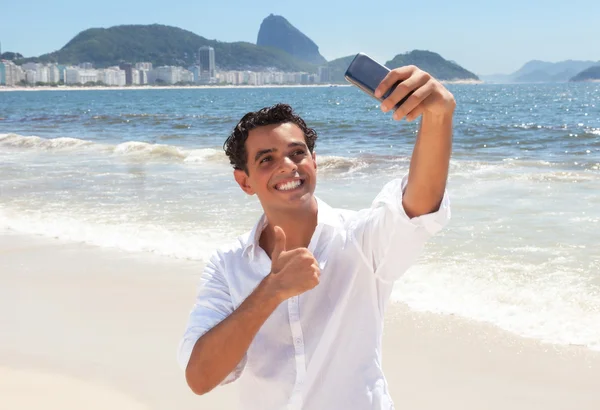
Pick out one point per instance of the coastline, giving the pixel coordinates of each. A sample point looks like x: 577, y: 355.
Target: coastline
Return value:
x: 89, y: 327
x: 167, y: 87
x: 196, y: 87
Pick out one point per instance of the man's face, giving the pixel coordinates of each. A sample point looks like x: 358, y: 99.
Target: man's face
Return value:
x: 281, y: 170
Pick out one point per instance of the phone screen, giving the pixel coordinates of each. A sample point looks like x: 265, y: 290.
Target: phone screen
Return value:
x: 367, y: 71
x: 367, y: 74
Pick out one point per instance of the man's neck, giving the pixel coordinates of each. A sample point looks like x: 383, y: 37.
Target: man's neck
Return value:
x: 299, y: 227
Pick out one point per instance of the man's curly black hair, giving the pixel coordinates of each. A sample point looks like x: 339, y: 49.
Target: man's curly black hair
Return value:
x: 235, y: 145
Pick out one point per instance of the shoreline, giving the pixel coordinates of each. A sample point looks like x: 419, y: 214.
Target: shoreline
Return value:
x: 166, y: 87
x: 82, y: 322
x: 195, y: 87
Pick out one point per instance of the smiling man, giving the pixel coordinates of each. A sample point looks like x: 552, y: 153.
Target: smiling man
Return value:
x: 296, y: 306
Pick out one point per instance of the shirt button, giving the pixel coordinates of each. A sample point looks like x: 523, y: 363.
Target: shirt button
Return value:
x: 298, y: 341
x: 293, y: 301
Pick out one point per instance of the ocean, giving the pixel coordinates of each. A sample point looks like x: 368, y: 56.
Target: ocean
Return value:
x: 144, y: 171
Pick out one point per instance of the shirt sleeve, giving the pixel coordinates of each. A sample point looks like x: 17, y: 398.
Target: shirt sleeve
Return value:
x: 213, y: 304
x: 390, y: 240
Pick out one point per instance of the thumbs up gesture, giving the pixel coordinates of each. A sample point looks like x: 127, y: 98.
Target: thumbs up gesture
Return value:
x: 292, y: 272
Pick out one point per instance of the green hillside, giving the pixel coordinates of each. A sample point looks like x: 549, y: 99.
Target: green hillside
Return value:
x: 592, y: 73
x: 165, y: 45
x: 338, y: 67
x: 434, y: 64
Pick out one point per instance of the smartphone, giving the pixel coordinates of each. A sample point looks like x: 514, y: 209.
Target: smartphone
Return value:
x: 367, y: 74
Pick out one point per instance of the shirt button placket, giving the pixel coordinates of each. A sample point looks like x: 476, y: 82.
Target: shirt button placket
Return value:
x: 298, y: 340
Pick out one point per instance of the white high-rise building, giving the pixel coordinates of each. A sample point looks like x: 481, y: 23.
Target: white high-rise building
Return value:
x: 43, y: 74
x: 112, y: 76
x: 143, y: 75
x: 324, y: 76
x: 135, y: 76
x: 30, y: 76
x: 53, y: 74
x: 76, y: 75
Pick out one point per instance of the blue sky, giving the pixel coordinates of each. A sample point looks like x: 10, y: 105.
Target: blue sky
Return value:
x: 484, y: 37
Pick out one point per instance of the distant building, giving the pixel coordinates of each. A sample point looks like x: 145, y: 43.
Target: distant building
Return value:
x: 143, y: 76
x: 135, y: 76
x: 86, y: 66
x: 128, y: 68
x: 12, y: 74
x: 196, y: 72
x: 30, y: 76
x: 170, y: 75
x: 75, y: 75
x: 112, y: 76
x: 206, y: 59
x: 143, y: 66
x: 62, y: 70
x: 30, y: 66
x: 37, y: 73
x: 53, y: 74
x: 324, y: 76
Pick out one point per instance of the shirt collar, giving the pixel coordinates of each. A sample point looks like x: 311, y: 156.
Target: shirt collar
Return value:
x: 326, y: 215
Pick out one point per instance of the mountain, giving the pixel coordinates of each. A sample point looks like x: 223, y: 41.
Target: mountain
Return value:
x: 166, y: 45
x: 592, y: 73
x: 9, y: 55
x: 433, y: 63
x: 281, y: 47
x: 337, y: 69
x: 543, y: 71
x: 277, y: 32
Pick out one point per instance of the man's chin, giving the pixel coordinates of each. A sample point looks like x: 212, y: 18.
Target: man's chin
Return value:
x: 289, y: 201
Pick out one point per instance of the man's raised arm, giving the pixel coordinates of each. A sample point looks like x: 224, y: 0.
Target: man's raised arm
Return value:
x: 431, y: 155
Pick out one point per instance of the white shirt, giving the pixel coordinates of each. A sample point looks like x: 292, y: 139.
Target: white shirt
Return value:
x: 320, y: 350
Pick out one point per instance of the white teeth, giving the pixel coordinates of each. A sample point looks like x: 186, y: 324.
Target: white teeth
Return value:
x: 289, y: 185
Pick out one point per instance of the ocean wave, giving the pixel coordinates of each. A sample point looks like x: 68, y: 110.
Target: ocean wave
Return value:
x: 138, y: 148
x: 341, y: 164
x: 61, y: 143
x: 130, y: 237
x: 146, y: 151
x: 545, y: 301
x: 202, y: 155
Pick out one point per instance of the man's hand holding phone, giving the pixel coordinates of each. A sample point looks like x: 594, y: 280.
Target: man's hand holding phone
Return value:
x: 429, y: 97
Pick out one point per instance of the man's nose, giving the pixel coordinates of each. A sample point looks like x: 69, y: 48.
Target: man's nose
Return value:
x: 287, y: 164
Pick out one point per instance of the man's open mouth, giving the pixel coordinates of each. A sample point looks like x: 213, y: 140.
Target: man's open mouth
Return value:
x: 289, y: 185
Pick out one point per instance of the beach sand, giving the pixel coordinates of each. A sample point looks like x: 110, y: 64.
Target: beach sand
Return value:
x: 90, y: 328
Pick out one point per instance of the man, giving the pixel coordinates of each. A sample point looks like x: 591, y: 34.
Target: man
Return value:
x: 297, y: 304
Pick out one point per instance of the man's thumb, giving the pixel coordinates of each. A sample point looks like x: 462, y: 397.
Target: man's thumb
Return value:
x: 279, y: 243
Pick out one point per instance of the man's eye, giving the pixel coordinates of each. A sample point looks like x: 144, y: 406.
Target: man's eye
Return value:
x: 265, y: 159
x: 299, y: 152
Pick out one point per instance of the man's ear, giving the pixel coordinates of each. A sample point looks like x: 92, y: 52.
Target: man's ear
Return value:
x: 242, y: 179
x: 314, y: 157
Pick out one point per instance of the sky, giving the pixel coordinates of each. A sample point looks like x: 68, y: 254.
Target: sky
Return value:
x: 485, y: 37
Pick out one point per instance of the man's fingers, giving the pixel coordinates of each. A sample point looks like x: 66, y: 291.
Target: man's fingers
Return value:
x: 279, y: 243
x: 392, y: 77
x: 415, y: 100
x: 404, y: 89
x: 414, y: 114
